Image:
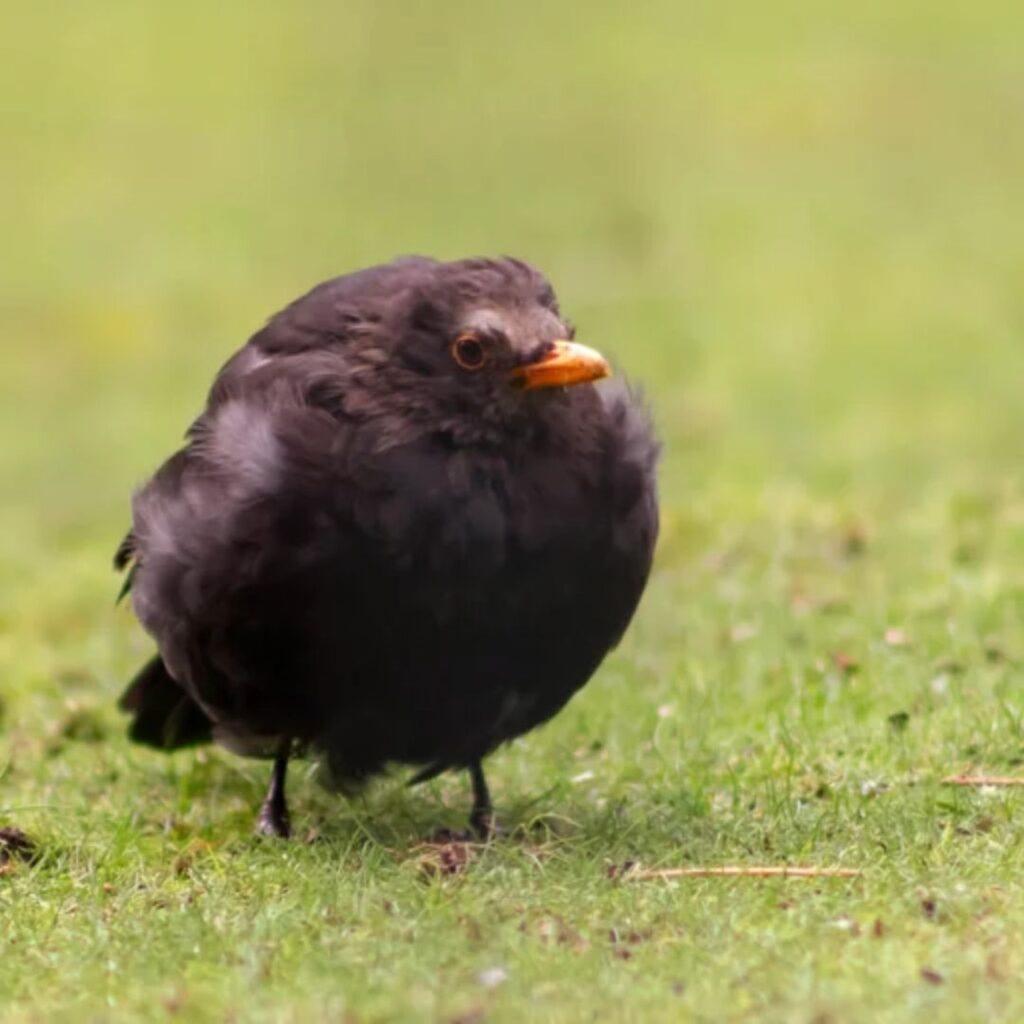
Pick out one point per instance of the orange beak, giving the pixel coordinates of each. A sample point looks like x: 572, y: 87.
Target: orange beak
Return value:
x: 565, y: 364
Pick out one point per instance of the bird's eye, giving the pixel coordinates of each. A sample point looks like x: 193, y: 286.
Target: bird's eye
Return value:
x: 468, y: 351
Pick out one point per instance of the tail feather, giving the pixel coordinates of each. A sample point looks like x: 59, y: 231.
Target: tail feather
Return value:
x: 163, y: 714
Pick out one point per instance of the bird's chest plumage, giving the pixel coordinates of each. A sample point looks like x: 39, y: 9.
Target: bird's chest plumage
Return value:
x: 416, y: 602
x: 498, y: 585
x: 466, y: 522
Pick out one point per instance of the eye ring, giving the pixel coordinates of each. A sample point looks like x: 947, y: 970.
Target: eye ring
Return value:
x: 468, y: 352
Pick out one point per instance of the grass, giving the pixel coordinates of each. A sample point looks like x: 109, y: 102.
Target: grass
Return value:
x: 802, y: 231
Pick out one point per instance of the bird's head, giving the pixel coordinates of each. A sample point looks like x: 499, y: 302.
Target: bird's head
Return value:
x: 492, y: 327
x: 470, y: 341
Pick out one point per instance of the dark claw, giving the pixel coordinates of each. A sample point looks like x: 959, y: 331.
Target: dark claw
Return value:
x: 273, y: 820
x: 484, y: 826
x: 482, y: 822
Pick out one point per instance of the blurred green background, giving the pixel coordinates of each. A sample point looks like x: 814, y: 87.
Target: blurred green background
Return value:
x: 799, y: 228
x: 798, y: 224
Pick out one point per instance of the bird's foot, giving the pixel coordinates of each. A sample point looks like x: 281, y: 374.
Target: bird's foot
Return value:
x: 273, y: 822
x: 482, y: 821
x: 484, y: 826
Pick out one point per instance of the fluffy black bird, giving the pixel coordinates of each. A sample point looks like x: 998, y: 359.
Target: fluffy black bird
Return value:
x: 407, y: 527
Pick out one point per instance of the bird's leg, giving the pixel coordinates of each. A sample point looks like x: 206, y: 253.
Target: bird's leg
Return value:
x: 481, y: 818
x: 273, y: 819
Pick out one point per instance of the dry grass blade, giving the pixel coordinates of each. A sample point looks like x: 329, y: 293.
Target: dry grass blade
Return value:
x: 744, y: 871
x: 449, y: 854
x: 983, y: 780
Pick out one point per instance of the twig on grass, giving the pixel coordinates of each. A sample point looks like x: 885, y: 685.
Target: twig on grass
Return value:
x: 983, y: 780
x: 742, y: 871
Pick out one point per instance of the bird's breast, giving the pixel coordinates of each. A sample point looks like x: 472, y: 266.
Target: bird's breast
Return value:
x: 449, y: 509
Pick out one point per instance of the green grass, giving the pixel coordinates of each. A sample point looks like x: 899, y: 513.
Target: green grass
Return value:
x: 802, y: 230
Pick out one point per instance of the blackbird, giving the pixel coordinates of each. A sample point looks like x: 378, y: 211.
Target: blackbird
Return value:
x: 407, y: 526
